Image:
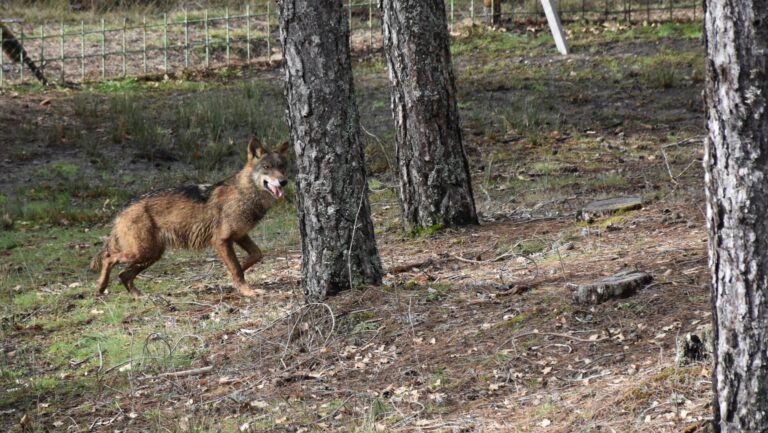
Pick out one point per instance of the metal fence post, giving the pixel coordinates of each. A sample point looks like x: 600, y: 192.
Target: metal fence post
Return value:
x: 648, y: 11
x: 472, y: 11
x: 269, y: 37
x: 670, y: 10
x: 103, y: 50
x: 248, y: 33
x: 186, y: 39
x: 207, y: 54
x: 82, y: 52
x: 165, y: 43
x: 226, y: 31
x: 21, y: 57
x: 349, y: 6
x: 124, y: 59
x: 61, y: 52
x: 370, y: 24
x: 42, y: 47
x: 2, y: 70
x: 144, y: 43
x: 453, y: 18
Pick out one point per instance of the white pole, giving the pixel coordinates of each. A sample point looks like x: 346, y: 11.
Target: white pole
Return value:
x: 555, y: 26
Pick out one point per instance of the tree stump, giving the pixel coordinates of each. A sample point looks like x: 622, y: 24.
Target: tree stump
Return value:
x: 694, y: 346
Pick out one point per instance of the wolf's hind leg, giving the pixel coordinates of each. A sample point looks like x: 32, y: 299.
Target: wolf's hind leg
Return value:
x: 254, y: 253
x: 133, y: 269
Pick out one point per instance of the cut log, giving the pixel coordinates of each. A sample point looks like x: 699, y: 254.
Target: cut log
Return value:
x: 620, y: 285
x: 609, y: 206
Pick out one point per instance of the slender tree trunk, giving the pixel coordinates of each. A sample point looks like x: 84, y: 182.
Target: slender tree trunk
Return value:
x: 435, y: 185
x: 492, y: 11
x: 337, y: 239
x: 736, y: 164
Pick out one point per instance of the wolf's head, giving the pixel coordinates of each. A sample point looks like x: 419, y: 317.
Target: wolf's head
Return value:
x: 267, y: 168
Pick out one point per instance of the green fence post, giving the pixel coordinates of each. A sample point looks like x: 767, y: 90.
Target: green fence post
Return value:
x: 453, y: 18
x: 472, y: 11
x: 248, y: 33
x: 349, y: 7
x: 207, y: 54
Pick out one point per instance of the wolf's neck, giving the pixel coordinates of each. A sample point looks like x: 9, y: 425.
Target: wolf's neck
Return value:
x: 246, y: 186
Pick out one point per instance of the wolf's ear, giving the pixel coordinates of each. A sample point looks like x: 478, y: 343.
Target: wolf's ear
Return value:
x: 282, y: 147
x: 255, y: 149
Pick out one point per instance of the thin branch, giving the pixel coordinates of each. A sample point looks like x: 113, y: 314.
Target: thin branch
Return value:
x: 183, y: 373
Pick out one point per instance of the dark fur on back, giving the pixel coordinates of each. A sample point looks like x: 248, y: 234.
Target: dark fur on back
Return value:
x: 198, y: 193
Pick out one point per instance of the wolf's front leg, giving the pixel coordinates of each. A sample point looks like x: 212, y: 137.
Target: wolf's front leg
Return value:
x: 254, y: 253
x: 226, y: 251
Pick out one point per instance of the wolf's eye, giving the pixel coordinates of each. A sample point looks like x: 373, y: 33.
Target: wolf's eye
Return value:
x: 268, y: 166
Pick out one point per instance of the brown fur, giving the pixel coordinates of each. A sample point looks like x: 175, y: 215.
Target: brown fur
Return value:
x: 195, y: 217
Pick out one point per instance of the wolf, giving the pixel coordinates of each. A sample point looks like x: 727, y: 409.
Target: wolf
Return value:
x: 194, y: 217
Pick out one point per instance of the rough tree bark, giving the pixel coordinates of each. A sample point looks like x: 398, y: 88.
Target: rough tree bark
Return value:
x: 337, y: 239
x: 736, y: 163
x: 435, y: 185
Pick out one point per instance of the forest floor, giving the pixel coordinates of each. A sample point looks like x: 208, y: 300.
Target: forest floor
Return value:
x: 474, y: 329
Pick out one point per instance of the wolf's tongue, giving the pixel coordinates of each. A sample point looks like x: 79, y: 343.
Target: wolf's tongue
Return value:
x: 277, y: 191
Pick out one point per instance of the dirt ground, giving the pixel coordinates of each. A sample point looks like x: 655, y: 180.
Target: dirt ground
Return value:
x: 473, y: 330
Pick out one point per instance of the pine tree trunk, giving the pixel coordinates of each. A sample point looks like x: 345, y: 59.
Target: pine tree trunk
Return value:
x: 337, y: 238
x: 736, y: 163
x: 435, y: 185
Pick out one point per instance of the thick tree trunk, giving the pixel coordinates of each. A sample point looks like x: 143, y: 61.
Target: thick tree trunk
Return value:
x: 337, y: 239
x: 736, y: 165
x: 435, y: 185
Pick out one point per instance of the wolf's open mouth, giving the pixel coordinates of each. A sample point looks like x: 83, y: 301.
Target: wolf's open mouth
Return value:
x: 275, y: 190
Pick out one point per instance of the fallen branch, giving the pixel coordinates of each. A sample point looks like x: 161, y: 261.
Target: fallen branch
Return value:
x: 183, y: 373
x: 551, y: 334
x: 408, y: 266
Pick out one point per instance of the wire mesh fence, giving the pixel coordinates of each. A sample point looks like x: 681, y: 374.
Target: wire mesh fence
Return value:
x: 83, y: 51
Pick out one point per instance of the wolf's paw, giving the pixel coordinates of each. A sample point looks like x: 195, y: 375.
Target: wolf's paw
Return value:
x: 244, y: 290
